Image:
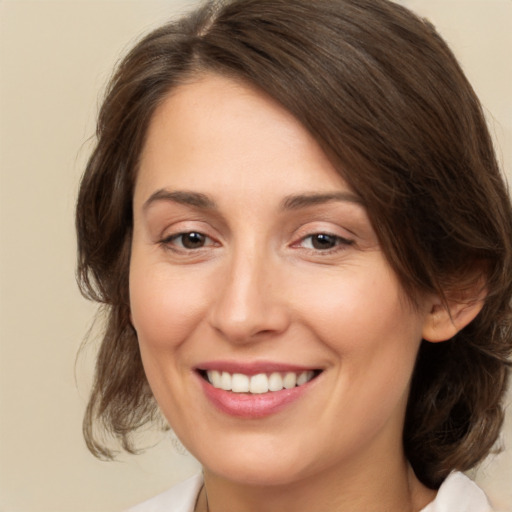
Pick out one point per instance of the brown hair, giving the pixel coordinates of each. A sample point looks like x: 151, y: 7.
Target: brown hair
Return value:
x: 388, y: 102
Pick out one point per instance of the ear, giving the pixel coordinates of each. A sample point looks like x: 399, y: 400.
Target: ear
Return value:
x: 447, y: 317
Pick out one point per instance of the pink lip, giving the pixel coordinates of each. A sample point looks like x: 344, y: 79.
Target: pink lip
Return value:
x: 246, y: 405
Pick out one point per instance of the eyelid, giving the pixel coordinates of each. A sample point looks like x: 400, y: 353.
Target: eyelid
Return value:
x: 340, y: 239
x: 322, y: 226
x: 179, y: 226
x: 169, y: 239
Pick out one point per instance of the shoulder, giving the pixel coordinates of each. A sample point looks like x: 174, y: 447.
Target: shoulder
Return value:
x: 461, y: 494
x: 180, y: 498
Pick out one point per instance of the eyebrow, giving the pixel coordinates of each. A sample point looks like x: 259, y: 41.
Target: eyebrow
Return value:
x: 195, y: 199
x: 297, y: 202
x: 292, y: 202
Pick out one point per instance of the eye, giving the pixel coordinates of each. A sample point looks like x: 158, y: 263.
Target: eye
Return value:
x: 190, y: 240
x: 323, y: 241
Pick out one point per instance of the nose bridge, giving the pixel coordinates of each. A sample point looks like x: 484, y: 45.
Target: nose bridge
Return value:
x: 247, y: 303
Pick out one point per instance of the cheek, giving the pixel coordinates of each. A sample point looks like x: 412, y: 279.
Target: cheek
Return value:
x: 364, y: 318
x: 354, y: 303
x: 165, y: 307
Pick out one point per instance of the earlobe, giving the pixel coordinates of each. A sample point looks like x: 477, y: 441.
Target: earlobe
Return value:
x: 446, y: 319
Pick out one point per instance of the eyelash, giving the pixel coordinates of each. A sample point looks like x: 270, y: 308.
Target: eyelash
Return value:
x: 339, y: 242
x: 169, y: 242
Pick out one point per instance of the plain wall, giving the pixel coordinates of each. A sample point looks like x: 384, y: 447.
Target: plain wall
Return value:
x: 55, y: 58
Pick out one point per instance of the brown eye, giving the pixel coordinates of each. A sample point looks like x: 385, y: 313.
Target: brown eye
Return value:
x: 191, y: 240
x: 322, y: 241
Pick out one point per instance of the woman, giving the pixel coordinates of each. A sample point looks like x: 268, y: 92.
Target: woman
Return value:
x: 296, y: 220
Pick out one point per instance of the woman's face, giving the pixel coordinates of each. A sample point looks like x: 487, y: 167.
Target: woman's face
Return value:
x: 254, y: 265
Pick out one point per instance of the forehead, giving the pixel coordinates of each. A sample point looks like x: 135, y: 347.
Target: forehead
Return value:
x: 222, y: 135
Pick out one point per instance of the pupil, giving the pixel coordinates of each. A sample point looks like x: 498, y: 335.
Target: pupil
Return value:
x: 193, y: 240
x: 323, y: 241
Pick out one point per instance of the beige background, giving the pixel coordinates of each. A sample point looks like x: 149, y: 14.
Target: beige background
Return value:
x: 55, y: 57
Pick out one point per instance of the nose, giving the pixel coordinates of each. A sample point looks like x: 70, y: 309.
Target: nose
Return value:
x: 249, y: 303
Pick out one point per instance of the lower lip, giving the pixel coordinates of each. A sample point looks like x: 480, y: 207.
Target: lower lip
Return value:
x: 246, y: 405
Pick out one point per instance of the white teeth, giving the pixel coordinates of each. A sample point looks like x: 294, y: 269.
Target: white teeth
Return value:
x: 239, y: 383
x: 290, y: 380
x: 304, y: 377
x: 215, y: 378
x: 275, y: 382
x: 257, y: 384
x: 225, y: 381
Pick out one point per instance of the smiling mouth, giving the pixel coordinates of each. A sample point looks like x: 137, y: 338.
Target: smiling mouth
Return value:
x: 257, y: 384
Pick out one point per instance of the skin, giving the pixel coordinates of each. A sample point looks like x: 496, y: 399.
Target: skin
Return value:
x: 256, y: 288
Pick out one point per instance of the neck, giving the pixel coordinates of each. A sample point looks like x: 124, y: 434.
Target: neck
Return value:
x: 383, y: 486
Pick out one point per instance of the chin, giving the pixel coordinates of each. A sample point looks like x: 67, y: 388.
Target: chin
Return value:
x: 259, y: 465
x: 262, y: 473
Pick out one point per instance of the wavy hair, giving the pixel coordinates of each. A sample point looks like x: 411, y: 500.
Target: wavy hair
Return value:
x: 386, y: 99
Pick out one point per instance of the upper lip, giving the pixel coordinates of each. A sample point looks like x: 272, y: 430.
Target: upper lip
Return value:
x: 253, y: 367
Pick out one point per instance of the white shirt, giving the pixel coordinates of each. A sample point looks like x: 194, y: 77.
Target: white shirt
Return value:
x: 457, y: 494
